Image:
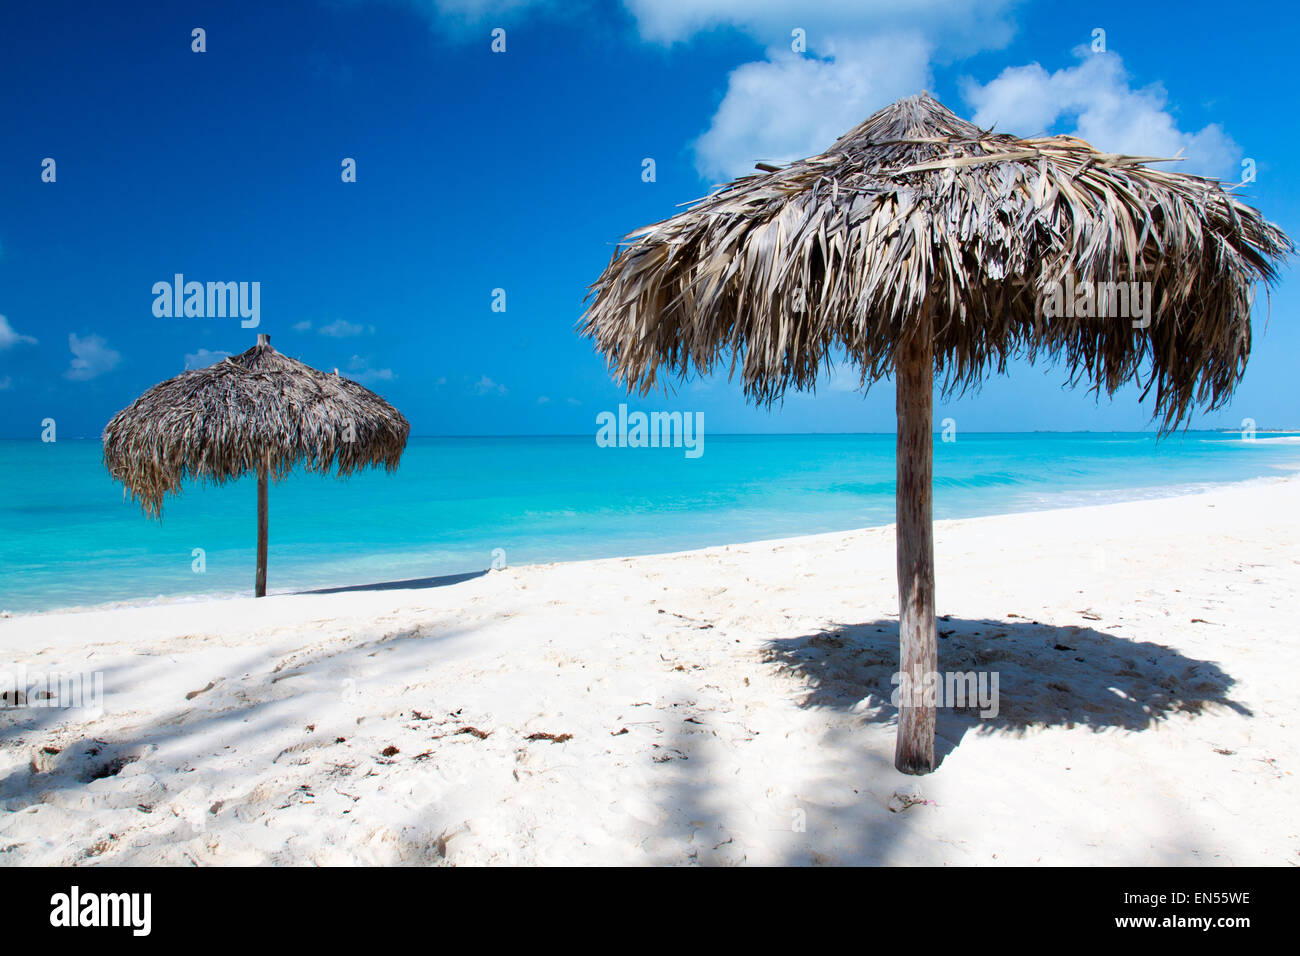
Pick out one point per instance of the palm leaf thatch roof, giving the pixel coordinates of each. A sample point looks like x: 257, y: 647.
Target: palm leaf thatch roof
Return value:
x: 257, y: 408
x: 917, y: 211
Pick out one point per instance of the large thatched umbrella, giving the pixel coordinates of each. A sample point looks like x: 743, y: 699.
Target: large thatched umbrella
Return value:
x: 260, y: 412
x: 920, y: 243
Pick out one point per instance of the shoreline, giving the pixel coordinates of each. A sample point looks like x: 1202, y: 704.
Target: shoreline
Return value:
x: 723, y: 706
x: 1115, y: 497
x: 728, y: 705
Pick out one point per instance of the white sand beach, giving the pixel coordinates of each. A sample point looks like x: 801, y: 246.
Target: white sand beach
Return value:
x: 725, y: 706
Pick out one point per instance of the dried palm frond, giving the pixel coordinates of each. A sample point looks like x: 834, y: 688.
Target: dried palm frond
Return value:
x: 257, y: 408
x: 916, y: 209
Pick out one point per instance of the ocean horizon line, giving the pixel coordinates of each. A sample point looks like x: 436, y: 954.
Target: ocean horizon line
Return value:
x: 465, y: 573
x: 455, y: 499
x: 1147, y: 432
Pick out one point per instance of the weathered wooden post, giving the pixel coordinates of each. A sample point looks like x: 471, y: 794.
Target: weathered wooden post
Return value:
x: 918, y: 645
x: 259, y: 582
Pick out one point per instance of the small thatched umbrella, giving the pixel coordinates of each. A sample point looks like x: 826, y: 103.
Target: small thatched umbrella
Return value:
x: 259, y: 411
x: 920, y: 243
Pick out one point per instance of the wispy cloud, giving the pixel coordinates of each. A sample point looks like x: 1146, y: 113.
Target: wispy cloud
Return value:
x: 962, y: 26
x: 461, y: 17
x: 478, y: 10
x: 338, y: 329
x: 91, y: 357
x: 485, y: 386
x: 9, y: 337
x: 360, y: 370
x: 342, y: 329
x: 204, y: 357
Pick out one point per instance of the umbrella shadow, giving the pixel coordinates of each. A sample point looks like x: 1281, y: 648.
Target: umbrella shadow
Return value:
x: 1047, y: 675
x: 838, y: 814
x: 284, y: 758
x: 409, y: 584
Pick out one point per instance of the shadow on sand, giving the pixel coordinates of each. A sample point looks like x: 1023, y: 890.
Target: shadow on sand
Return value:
x: 410, y: 584
x: 274, y: 730
x: 1047, y: 676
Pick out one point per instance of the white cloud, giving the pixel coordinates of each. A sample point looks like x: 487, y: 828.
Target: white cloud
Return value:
x: 860, y: 55
x: 462, y: 15
x: 360, y: 370
x: 477, y: 9
x: 302, y: 326
x: 485, y: 386
x: 204, y: 357
x: 91, y: 357
x: 1094, y: 100
x: 790, y: 106
x: 341, y: 329
x: 844, y: 377
x: 864, y: 54
x: 543, y: 400
x: 960, y: 26
x: 10, y: 338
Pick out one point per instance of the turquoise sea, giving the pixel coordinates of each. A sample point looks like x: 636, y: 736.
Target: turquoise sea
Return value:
x: 69, y: 538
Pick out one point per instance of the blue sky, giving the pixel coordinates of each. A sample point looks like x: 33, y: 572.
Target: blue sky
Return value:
x: 519, y: 170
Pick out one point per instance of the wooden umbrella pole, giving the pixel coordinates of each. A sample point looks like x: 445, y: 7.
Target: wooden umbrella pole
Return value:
x: 918, y: 647
x: 259, y: 585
